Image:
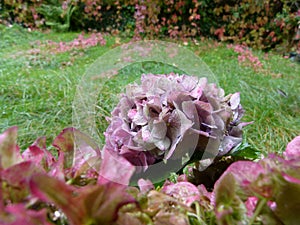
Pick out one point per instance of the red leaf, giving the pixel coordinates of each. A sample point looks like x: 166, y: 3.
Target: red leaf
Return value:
x: 38, y: 153
x: 220, y: 33
x: 49, y: 189
x: 77, y: 147
x: 92, y: 204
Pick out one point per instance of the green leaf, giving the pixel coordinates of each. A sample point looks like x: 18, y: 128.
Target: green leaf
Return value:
x: 246, y: 151
x: 288, y: 203
x: 229, y: 209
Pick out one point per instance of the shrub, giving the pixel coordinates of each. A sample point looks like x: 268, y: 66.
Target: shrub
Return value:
x: 258, y: 24
x: 22, y: 12
x: 57, y: 15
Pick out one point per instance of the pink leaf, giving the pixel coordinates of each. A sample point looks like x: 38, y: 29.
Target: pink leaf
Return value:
x: 92, y: 204
x: 115, y: 168
x: 38, y: 153
x: 290, y: 178
x: 17, y: 174
x: 46, y: 188
x: 20, y: 215
x: 9, y: 151
x: 244, y: 172
x: 251, y: 205
x: 292, y: 150
x: 185, y: 192
x: 16, y: 180
x: 145, y: 185
x: 77, y: 147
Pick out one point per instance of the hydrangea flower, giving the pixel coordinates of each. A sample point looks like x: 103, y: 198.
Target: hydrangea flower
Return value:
x: 167, y: 115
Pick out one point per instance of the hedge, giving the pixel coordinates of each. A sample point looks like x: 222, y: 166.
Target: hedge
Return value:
x: 259, y: 24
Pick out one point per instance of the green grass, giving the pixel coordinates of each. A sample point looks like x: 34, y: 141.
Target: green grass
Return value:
x: 276, y: 117
x: 37, y: 90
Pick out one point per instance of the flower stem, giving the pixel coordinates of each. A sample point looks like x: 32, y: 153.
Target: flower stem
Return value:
x: 258, y: 210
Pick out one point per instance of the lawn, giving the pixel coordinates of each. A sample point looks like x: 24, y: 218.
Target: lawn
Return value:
x: 38, y: 84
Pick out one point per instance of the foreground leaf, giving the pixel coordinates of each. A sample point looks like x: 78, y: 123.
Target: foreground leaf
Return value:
x: 184, y: 192
x: 9, y: 151
x: 292, y: 150
x: 115, y: 168
x: 167, y: 210
x: 14, y: 181
x: 288, y: 203
x: 229, y: 208
x: 18, y: 214
x: 39, y: 154
x: 93, y: 204
x: 79, y: 150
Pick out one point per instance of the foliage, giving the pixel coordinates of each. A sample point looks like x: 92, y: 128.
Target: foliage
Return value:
x: 22, y: 12
x: 57, y: 16
x: 260, y: 25
x: 260, y: 188
x: 38, y: 188
x: 256, y: 24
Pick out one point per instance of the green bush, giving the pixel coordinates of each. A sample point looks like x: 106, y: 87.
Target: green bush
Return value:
x: 22, y: 12
x: 259, y: 24
x: 57, y: 15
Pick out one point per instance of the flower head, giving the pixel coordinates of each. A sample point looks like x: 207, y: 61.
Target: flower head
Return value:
x: 172, y: 116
